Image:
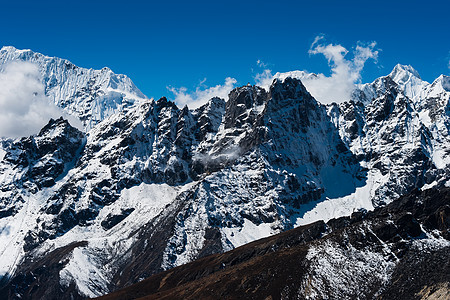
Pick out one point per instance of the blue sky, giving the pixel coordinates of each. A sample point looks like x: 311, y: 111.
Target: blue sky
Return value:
x: 179, y: 44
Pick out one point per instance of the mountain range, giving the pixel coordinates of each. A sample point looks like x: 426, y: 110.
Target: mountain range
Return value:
x: 147, y: 186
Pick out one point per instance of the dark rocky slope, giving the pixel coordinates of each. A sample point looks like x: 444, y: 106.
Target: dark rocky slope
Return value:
x: 409, y: 236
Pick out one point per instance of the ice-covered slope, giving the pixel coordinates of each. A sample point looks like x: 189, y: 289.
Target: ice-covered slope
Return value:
x: 90, y: 95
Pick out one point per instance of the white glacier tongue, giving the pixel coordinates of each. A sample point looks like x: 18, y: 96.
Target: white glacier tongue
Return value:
x: 90, y: 95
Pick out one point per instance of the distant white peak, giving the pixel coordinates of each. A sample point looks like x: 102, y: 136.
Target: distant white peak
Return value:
x: 438, y: 89
x: 403, y: 72
x: 408, y: 80
x: 444, y: 82
x: 88, y: 94
x: 14, y: 49
x: 295, y: 74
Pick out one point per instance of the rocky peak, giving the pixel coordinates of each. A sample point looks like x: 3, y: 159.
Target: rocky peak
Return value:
x: 209, y: 117
x: 34, y: 163
x: 289, y: 99
x: 59, y: 135
x: 368, y: 92
x: 241, y: 105
x: 163, y: 102
x: 288, y: 88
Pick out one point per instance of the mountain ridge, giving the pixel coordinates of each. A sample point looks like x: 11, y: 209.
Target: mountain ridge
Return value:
x: 153, y: 186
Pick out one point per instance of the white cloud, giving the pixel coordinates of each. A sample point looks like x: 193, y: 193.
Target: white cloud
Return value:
x: 24, y: 109
x: 264, y: 79
x: 202, y: 93
x: 345, y: 73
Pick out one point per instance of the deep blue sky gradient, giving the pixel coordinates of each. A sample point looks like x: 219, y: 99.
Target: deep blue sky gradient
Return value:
x: 179, y: 43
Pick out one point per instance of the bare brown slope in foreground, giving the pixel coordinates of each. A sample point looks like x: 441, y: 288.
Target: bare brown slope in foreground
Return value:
x: 256, y: 269
x: 277, y: 267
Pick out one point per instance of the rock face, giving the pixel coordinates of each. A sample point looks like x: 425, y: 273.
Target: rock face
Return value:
x: 153, y: 186
x: 402, y: 141
x: 35, y: 163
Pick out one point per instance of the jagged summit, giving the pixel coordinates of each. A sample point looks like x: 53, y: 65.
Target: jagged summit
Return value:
x: 400, y: 71
x: 403, y: 79
x: 288, y: 88
x: 408, y: 80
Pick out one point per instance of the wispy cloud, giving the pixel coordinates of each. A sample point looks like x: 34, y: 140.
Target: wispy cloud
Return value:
x: 202, y: 93
x: 24, y: 109
x: 345, y: 73
x: 261, y: 64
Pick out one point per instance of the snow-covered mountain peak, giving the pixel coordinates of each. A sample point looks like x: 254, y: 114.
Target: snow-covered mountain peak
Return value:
x: 403, y: 72
x: 408, y: 80
x: 295, y: 74
x: 403, y: 79
x: 88, y: 94
x: 435, y: 97
x: 443, y: 81
x: 13, y: 49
